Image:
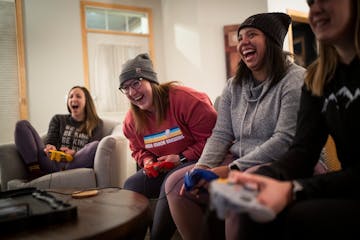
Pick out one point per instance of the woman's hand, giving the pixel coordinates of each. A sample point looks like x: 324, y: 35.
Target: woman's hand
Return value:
x: 68, y: 151
x: 170, y: 158
x: 49, y: 147
x: 222, y: 171
x: 148, y: 161
x: 273, y: 193
x: 201, y: 184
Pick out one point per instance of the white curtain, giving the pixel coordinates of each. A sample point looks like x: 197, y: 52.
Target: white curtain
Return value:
x: 107, y: 67
x: 107, y: 53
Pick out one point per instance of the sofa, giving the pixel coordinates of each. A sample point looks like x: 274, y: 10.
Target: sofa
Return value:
x: 112, y: 165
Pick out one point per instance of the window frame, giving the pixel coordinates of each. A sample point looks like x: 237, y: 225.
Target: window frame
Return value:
x: 85, y: 31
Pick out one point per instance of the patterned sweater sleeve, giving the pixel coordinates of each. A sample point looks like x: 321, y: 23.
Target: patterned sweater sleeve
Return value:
x: 53, y: 136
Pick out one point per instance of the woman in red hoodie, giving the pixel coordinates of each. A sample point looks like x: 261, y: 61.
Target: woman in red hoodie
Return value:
x: 167, y: 123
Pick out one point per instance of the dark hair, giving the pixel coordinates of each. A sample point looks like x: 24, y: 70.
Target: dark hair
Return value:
x: 276, y: 64
x: 161, y: 104
x: 91, y: 117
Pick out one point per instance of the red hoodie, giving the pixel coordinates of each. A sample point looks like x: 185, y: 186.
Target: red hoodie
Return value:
x: 189, y: 122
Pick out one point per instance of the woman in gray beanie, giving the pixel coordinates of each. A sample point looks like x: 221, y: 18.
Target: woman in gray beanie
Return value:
x: 167, y: 127
x: 256, y: 118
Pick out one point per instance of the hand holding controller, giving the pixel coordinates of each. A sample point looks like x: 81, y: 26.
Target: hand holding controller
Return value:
x: 154, y: 169
x: 191, y: 178
x: 59, y: 156
x: 226, y: 197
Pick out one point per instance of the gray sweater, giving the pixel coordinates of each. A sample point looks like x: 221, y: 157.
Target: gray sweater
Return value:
x: 255, y: 123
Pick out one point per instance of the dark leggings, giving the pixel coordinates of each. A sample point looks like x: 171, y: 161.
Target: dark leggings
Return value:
x: 190, y: 212
x: 163, y: 226
x: 31, y: 148
x: 310, y: 219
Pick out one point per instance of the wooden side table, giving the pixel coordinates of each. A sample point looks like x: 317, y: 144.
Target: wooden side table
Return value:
x: 112, y: 214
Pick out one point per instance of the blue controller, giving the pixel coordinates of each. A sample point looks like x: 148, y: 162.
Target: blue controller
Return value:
x: 193, y: 177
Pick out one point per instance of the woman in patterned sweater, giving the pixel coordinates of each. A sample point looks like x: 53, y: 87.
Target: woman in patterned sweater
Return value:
x: 77, y: 134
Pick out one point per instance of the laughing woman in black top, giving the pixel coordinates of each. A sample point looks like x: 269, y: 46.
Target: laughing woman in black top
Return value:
x: 77, y: 133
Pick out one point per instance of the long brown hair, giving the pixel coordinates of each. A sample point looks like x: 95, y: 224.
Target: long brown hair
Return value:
x: 276, y: 64
x: 321, y: 71
x: 160, y: 102
x: 91, y: 117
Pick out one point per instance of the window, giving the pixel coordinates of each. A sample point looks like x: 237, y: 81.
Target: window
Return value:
x: 116, y: 20
x: 13, y: 102
x: 112, y: 34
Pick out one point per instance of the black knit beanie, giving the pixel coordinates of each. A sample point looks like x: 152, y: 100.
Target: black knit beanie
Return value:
x: 138, y: 67
x: 274, y: 25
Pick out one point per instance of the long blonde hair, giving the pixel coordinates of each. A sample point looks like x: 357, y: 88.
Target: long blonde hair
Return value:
x: 321, y: 71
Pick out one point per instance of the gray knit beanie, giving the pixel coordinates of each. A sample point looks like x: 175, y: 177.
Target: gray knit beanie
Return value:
x: 138, y: 67
x: 274, y: 25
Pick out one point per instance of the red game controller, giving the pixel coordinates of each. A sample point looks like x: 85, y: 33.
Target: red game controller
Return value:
x: 154, y: 169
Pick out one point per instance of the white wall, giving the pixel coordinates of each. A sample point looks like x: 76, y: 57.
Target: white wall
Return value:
x: 284, y: 5
x: 188, y: 44
x: 194, y: 39
x: 54, y: 53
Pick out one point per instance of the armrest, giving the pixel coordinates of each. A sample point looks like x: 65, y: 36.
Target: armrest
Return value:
x: 11, y: 165
x: 111, y: 161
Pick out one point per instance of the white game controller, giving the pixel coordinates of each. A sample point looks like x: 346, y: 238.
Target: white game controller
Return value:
x: 226, y: 197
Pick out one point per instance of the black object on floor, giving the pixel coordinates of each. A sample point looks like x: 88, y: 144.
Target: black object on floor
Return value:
x: 29, y: 207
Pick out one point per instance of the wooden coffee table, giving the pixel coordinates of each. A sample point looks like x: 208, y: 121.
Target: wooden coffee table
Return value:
x: 112, y: 214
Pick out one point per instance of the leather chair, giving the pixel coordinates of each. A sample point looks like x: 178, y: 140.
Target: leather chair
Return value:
x: 112, y: 165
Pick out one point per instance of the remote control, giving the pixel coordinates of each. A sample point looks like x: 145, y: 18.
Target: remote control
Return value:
x: 226, y: 197
x: 153, y: 170
x: 59, y: 156
x: 192, y: 177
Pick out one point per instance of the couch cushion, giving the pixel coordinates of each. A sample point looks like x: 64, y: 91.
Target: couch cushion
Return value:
x: 79, y: 178
x: 108, y: 126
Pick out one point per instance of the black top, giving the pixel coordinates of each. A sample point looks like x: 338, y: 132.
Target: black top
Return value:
x: 64, y: 132
x: 337, y: 113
